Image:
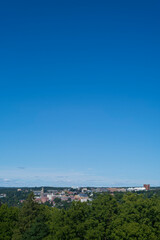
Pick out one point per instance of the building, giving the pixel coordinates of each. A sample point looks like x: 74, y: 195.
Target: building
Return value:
x: 112, y: 190
x: 147, y: 186
x: 3, y: 195
x: 44, y: 199
x: 37, y: 193
x: 84, y: 190
x: 81, y: 196
x: 136, y: 189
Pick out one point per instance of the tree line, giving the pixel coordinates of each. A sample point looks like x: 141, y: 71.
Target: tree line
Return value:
x: 126, y: 216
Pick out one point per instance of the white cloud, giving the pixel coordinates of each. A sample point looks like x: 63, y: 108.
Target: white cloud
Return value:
x: 6, y: 180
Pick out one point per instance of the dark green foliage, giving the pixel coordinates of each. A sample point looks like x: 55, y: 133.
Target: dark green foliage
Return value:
x: 131, y: 216
x: 119, y: 217
x: 31, y: 223
x: 62, y: 204
x: 13, y: 197
x: 8, y: 219
x: 137, y: 218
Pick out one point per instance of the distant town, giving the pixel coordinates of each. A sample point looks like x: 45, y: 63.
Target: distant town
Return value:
x: 80, y: 194
x: 62, y: 197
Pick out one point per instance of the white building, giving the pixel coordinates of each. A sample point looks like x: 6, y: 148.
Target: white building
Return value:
x: 136, y: 189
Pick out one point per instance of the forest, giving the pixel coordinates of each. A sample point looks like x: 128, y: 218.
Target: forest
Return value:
x: 122, y: 216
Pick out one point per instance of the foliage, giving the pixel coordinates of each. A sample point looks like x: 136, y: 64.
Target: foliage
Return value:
x: 14, y: 197
x: 31, y: 222
x: 8, y: 219
x: 120, y: 217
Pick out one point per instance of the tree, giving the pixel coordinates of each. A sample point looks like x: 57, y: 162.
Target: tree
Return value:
x: 136, y: 219
x: 32, y: 221
x: 8, y: 219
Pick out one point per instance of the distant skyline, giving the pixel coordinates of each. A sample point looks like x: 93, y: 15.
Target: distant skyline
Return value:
x: 79, y: 93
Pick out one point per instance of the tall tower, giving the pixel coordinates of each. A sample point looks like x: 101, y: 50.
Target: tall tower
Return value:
x: 42, y: 192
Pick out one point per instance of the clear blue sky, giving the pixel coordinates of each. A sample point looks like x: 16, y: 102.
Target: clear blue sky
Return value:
x: 79, y: 93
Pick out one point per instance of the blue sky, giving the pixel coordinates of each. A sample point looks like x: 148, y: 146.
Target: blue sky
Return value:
x: 79, y: 93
